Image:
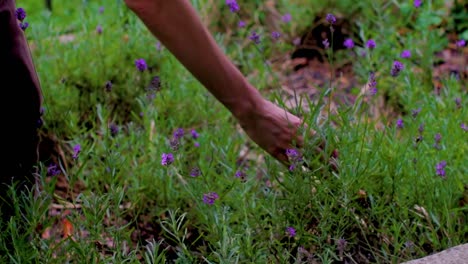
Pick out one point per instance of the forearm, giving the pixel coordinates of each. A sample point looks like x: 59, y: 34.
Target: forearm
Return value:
x: 176, y: 24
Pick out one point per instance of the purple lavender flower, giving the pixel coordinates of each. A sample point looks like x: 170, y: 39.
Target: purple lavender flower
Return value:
x: 417, y: 3
x: 399, y: 123
x: 20, y: 13
x: 396, y: 68
x: 76, y: 151
x: 99, y: 29
x: 405, y: 54
x: 325, y: 43
x: 372, y: 83
x: 194, y: 133
x: 196, y: 144
x: 437, y: 138
x: 167, y: 159
x: 158, y: 46
x: 141, y: 64
x: 292, y: 154
x: 341, y: 245
x: 275, y: 35
x: 210, y: 198
x: 53, y: 170
x: 464, y: 127
x: 290, y: 231
x: 114, y: 130
x: 461, y: 43
x: 195, y: 172
x: 241, y: 24
x: 458, y: 102
x: 233, y: 6
x: 101, y: 10
x: 24, y: 25
x: 255, y: 37
x: 108, y: 86
x: 370, y: 44
x: 239, y: 174
x: 421, y: 128
x: 179, y: 133
x: 286, y: 18
x: 296, y: 41
x: 331, y: 19
x: 415, y: 112
x: 174, y: 143
x: 440, y: 168
x: 348, y: 43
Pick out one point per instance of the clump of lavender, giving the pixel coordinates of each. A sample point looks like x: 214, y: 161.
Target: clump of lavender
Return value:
x: 440, y: 168
x: 399, y: 123
x: 241, y: 24
x: 210, y: 198
x: 286, y: 18
x: 348, y: 43
x: 20, y: 14
x: 254, y: 37
x: 76, y: 151
x: 233, y: 6
x: 290, y: 231
x: 396, y: 68
x: 405, y: 54
x: 141, y: 64
x: 370, y: 44
x: 167, y: 159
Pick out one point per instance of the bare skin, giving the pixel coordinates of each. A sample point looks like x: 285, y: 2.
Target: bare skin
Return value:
x: 177, y: 25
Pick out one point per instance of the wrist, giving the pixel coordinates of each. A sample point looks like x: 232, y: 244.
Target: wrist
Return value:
x: 247, y: 103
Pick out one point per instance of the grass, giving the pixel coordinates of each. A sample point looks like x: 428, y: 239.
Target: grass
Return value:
x: 119, y: 204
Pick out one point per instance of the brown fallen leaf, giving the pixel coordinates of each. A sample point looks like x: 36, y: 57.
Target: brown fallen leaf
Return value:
x: 67, y: 228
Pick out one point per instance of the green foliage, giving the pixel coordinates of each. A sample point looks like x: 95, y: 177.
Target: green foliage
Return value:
x: 386, y: 200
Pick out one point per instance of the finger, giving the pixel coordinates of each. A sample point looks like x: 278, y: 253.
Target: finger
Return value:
x: 280, y: 155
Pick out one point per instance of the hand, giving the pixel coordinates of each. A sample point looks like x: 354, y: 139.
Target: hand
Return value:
x: 273, y: 129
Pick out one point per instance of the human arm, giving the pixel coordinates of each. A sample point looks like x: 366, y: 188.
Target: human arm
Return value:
x: 176, y: 24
